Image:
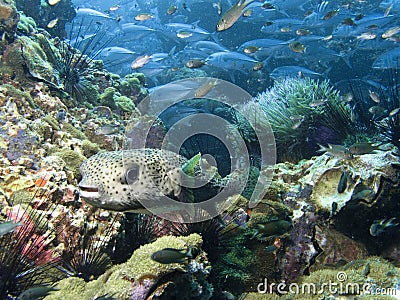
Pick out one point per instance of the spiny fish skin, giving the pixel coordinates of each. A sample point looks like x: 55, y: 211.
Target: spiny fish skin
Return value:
x: 116, y: 180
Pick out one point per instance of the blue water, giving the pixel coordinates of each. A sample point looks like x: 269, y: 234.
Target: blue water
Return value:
x: 341, y: 41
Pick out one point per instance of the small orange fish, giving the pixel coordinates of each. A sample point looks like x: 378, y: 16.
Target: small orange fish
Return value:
x: 204, y: 89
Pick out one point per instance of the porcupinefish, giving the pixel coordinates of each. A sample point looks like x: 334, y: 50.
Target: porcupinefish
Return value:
x: 117, y: 180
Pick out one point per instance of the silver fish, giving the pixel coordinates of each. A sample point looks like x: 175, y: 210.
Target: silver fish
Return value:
x: 7, y: 227
x: 232, y: 15
x: 337, y: 151
x: 379, y: 226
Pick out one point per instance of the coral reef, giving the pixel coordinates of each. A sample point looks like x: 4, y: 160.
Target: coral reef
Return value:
x: 310, y: 189
x: 43, y: 13
x: 59, y: 106
x: 26, y: 258
x: 9, y: 18
x: 132, y: 86
x: 141, y: 277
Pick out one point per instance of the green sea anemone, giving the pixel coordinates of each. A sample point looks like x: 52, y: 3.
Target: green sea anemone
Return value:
x: 302, y: 113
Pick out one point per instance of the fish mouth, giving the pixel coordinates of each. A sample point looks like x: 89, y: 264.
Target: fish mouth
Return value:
x: 89, y: 192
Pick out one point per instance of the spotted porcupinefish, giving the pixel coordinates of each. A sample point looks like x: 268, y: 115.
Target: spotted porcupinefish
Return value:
x: 117, y: 180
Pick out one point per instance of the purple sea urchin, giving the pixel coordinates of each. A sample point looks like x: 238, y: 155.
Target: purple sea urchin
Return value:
x: 25, y: 257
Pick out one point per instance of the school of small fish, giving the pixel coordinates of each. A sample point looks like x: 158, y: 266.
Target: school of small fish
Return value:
x: 252, y: 39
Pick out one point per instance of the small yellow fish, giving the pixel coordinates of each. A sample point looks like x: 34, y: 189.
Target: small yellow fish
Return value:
x: 194, y: 63
x: 298, y: 120
x: 348, y: 22
x: 114, y: 8
x: 374, y: 96
x: 317, y: 103
x: 394, y: 112
x: 171, y: 10
x: 347, y: 97
x: 204, y: 89
x: 302, y: 31
x: 258, y: 66
x: 247, y: 12
x: 377, y: 110
x: 391, y: 32
x: 359, y: 17
x: 297, y: 47
x: 52, y: 23
x: 251, y: 49
x: 53, y: 2
x: 140, y: 61
x: 297, y: 124
x: 144, y: 17
x: 330, y: 14
x: 373, y: 27
x: 184, y: 34
x: 267, y: 5
x: 232, y: 15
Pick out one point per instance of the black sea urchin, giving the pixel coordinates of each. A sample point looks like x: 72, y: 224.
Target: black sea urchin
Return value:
x: 75, y: 63
x: 389, y: 127
x: 86, y: 255
x: 136, y: 230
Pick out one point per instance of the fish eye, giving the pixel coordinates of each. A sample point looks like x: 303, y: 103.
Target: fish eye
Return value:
x: 132, y: 175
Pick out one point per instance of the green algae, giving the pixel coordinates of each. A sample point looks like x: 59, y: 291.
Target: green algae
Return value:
x: 35, y: 58
x: 132, y: 85
x: 89, y: 148
x: 18, y: 95
x: 72, y: 159
x: 125, y: 104
x: 52, y: 122
x: 107, y: 97
x: 26, y: 24
x: 73, y: 131
x: 21, y: 197
x: 119, y: 279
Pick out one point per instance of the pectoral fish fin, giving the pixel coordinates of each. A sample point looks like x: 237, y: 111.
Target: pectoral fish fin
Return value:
x: 189, y: 167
